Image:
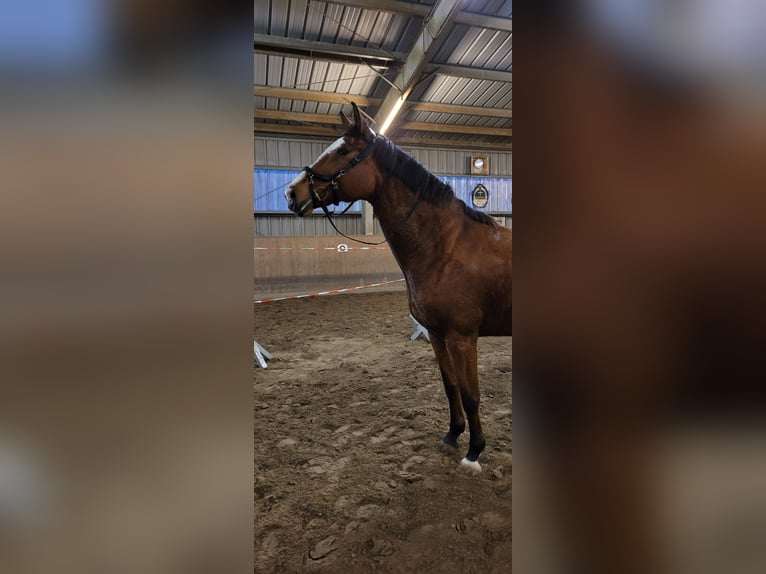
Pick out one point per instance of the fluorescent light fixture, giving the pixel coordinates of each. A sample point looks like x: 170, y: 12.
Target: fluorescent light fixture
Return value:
x: 392, y: 115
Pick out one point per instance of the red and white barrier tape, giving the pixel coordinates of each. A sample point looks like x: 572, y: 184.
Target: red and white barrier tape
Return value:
x: 331, y: 292
x: 341, y: 248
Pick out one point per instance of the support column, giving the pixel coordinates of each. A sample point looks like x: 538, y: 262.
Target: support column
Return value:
x: 369, y: 227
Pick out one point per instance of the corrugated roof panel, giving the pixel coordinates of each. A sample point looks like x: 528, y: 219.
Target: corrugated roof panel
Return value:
x: 375, y: 25
x: 446, y: 89
x: 471, y: 44
x: 353, y: 26
x: 500, y: 58
x: 485, y: 90
x: 499, y: 95
x: 312, y: 25
x: 331, y: 22
x: 259, y: 69
x: 362, y: 85
x: 289, y: 72
x: 450, y: 44
x: 458, y: 119
x: 261, y: 12
x: 491, y: 46
x: 347, y: 24
x: 411, y: 29
x: 476, y: 47
x: 462, y: 91
x: 331, y: 76
x: 297, y: 17
x: 341, y: 24
x: 318, y: 74
x: 303, y: 75
x: 278, y: 18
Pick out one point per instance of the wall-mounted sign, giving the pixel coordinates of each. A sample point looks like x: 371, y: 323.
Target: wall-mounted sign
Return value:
x: 480, y: 196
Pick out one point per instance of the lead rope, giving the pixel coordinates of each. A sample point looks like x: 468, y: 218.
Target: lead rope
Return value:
x: 330, y: 217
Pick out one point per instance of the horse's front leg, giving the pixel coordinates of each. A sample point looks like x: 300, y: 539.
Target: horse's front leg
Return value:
x: 449, y: 378
x: 462, y: 354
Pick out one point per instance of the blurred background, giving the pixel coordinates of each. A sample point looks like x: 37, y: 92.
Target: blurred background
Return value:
x: 640, y: 303
x: 126, y: 312
x: 125, y: 299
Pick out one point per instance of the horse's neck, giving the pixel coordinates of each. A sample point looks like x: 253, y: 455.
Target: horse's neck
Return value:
x: 419, y: 238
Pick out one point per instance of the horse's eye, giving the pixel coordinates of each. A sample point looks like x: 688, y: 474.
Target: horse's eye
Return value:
x: 342, y: 151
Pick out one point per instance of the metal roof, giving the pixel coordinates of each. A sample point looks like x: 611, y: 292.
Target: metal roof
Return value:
x: 312, y: 58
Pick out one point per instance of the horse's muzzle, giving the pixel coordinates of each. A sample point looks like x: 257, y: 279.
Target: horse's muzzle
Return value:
x: 299, y: 209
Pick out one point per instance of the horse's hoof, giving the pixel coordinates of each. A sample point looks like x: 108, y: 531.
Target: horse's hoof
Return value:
x: 449, y: 443
x: 471, y: 464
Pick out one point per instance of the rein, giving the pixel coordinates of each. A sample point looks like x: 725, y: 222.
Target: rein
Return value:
x: 314, y: 198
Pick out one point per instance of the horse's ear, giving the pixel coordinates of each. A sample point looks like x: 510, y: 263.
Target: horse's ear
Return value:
x: 345, y: 121
x: 359, y: 121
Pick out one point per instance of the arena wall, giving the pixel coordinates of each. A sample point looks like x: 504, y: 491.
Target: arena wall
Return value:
x: 307, y: 264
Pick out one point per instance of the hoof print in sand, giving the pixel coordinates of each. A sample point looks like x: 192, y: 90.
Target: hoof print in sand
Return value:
x: 410, y: 476
x: 380, y: 547
x: 323, y: 548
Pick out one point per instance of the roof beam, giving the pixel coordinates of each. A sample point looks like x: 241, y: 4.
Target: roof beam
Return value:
x: 485, y: 21
x: 440, y: 16
x: 422, y: 10
x: 314, y: 96
x: 395, y: 6
x: 466, y: 110
x: 271, y: 44
x: 471, y: 73
x: 456, y: 129
x: 463, y: 144
x: 297, y: 130
x: 297, y: 117
x: 333, y: 98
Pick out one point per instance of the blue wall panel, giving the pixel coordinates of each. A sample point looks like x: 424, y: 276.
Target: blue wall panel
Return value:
x: 270, y: 185
x: 269, y: 190
x: 500, y: 191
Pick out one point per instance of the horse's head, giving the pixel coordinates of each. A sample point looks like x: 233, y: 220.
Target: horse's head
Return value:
x: 342, y: 173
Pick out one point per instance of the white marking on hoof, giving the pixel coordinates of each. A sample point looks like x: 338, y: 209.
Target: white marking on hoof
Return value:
x: 472, y: 464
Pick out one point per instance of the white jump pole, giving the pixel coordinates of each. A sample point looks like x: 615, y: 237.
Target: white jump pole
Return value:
x: 261, y: 354
x: 419, y: 330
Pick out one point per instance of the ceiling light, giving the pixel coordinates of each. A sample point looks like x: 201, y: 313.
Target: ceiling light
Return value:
x: 391, y: 116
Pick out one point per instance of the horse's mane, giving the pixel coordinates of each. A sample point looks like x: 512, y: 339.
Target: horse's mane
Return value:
x: 432, y: 190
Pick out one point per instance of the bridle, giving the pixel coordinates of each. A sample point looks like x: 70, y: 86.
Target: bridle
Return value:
x: 333, y: 179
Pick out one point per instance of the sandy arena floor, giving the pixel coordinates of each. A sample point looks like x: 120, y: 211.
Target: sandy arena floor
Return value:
x: 349, y: 473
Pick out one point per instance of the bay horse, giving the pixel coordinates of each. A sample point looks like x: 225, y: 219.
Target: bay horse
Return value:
x: 456, y: 261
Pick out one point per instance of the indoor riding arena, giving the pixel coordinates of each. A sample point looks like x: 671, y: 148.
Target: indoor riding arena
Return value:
x: 351, y: 474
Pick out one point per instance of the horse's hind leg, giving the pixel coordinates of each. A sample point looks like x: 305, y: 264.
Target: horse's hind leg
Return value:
x: 456, y: 419
x: 462, y: 352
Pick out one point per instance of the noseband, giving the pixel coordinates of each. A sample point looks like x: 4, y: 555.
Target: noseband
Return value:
x: 314, y: 199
